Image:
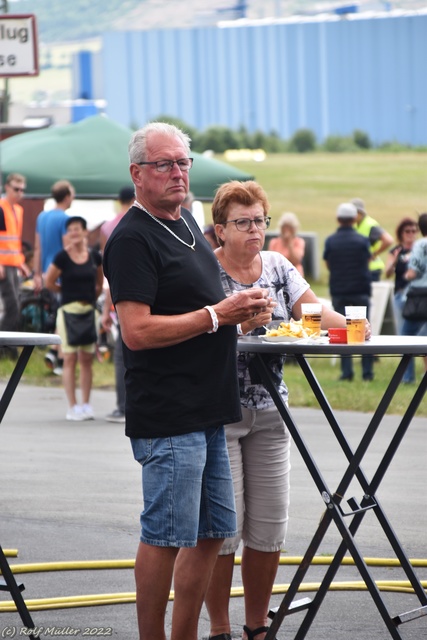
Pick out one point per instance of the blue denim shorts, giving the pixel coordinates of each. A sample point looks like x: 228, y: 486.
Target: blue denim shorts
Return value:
x: 187, y: 488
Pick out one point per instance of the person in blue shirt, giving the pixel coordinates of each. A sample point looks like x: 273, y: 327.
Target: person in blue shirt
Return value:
x: 48, y: 241
x: 51, y: 229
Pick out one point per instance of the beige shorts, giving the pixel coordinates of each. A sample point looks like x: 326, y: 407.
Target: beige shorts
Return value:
x: 259, y: 451
x: 72, y: 307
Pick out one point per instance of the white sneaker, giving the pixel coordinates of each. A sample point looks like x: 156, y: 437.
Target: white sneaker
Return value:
x: 75, y: 413
x: 88, y: 413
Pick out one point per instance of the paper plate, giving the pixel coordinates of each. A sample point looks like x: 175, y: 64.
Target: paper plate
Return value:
x: 286, y: 339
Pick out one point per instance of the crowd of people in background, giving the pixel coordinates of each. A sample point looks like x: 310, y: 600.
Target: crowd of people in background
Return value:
x: 354, y: 255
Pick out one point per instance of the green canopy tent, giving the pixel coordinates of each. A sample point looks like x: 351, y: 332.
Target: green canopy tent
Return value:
x: 92, y: 154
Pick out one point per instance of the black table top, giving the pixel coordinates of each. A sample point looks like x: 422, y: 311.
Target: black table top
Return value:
x: 377, y: 345
x: 23, y: 339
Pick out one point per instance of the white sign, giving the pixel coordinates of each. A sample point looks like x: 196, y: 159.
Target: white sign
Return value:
x: 18, y: 46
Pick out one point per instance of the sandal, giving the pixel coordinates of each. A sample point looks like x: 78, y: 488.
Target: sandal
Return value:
x: 222, y: 636
x: 251, y: 634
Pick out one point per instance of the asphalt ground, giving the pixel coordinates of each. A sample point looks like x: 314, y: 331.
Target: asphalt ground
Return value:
x: 71, y: 492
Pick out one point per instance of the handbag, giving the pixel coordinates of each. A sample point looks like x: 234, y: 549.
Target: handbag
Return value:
x: 415, y: 307
x: 80, y: 328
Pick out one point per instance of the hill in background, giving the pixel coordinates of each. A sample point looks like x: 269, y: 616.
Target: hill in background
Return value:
x: 87, y: 19
x: 65, y: 28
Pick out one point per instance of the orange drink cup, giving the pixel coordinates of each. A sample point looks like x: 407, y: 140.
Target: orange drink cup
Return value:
x: 312, y: 316
x: 356, y: 320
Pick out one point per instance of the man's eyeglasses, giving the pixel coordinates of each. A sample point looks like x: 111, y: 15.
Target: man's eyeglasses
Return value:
x: 166, y: 166
x: 244, y: 224
x: 18, y: 189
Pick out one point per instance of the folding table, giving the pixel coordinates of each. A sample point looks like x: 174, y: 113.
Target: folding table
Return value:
x: 28, y: 341
x: 405, y: 348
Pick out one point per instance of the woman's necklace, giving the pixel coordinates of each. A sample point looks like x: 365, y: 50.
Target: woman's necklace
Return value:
x: 190, y: 246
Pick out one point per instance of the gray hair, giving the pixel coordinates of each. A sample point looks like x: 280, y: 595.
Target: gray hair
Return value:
x: 138, y: 142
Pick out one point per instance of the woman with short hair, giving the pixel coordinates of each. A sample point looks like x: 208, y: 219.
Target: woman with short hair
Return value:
x: 259, y: 444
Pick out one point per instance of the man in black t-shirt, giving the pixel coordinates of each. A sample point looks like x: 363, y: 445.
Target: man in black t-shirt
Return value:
x: 179, y: 335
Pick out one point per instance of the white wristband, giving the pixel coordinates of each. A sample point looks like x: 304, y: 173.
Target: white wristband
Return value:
x: 214, y: 318
x: 239, y: 330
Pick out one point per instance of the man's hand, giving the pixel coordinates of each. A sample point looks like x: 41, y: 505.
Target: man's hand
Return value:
x: 38, y: 282
x: 106, y: 321
x: 25, y: 270
x: 245, y: 305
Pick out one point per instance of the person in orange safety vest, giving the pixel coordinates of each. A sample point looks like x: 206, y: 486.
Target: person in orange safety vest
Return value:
x: 12, y: 259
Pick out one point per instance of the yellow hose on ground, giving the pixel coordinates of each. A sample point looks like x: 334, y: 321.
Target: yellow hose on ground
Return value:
x: 80, y: 565
x: 349, y: 561
x: 72, y: 565
x: 94, y: 600
x: 400, y: 586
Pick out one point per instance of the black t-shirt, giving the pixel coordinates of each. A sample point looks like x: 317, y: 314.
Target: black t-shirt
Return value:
x: 192, y: 385
x: 78, y: 281
x: 401, y: 267
x: 347, y: 254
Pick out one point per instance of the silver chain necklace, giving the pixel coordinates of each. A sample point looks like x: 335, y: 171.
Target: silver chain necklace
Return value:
x: 190, y: 246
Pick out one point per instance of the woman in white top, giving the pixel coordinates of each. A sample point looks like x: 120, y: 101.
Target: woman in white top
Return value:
x: 259, y: 444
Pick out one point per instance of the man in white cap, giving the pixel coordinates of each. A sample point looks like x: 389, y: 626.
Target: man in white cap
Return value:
x: 378, y: 238
x: 347, y: 255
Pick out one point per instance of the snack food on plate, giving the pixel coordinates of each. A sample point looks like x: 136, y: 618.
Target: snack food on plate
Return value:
x: 293, y: 329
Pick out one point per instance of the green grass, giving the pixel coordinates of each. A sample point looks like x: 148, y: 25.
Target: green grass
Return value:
x: 353, y: 396
x: 312, y: 185
x: 38, y: 374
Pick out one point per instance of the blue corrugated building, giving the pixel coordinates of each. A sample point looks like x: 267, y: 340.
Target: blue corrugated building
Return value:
x: 328, y: 73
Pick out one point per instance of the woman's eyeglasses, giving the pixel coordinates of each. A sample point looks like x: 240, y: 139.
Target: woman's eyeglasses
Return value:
x: 244, y: 224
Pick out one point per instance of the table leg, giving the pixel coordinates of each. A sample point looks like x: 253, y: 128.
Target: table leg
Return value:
x: 15, y: 592
x: 370, y: 488
x: 14, y: 379
x: 334, y: 511
x: 8, y: 576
